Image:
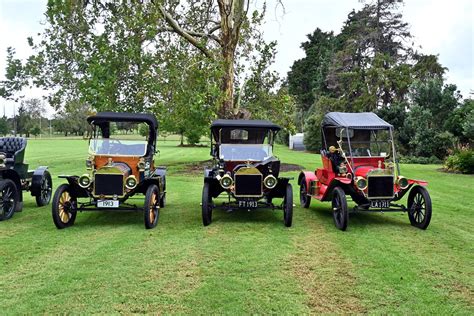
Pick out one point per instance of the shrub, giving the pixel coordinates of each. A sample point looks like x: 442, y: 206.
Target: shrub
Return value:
x: 283, y: 137
x: 433, y: 160
x: 312, y: 133
x: 462, y: 161
x: 192, y: 136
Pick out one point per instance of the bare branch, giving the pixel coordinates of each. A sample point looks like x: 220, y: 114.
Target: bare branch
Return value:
x: 185, y: 34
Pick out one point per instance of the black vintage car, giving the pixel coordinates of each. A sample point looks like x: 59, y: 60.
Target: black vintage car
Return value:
x: 118, y: 168
x: 245, y: 169
x: 16, y: 178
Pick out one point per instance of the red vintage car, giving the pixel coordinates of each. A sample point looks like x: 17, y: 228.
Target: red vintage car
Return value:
x: 359, y: 160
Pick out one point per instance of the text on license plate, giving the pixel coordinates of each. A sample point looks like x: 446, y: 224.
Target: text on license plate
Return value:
x: 248, y: 204
x: 108, y: 203
x: 380, y: 203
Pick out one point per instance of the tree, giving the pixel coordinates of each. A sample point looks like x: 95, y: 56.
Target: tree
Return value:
x: 4, y: 126
x: 35, y: 130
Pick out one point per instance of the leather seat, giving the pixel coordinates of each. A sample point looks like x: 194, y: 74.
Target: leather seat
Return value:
x: 13, y: 148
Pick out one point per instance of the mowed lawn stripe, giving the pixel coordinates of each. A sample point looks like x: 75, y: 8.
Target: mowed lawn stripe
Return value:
x: 243, y: 262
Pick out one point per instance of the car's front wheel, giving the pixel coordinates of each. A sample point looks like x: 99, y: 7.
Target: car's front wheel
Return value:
x: 152, y: 206
x: 206, y: 205
x: 288, y: 206
x: 419, y: 207
x: 339, y: 208
x: 64, y: 208
x: 8, y: 199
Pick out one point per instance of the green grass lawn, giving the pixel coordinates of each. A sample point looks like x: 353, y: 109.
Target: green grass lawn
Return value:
x: 243, y: 262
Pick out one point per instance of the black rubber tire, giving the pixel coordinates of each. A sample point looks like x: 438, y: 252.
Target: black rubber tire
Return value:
x: 163, y: 200
x: 288, y: 206
x: 152, y: 206
x: 9, y: 198
x: 206, y: 205
x: 340, y: 213
x: 64, y: 207
x: 305, y: 199
x: 46, y: 190
x: 419, y: 207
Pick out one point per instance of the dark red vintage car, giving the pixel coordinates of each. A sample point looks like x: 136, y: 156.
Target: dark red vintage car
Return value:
x: 359, y: 160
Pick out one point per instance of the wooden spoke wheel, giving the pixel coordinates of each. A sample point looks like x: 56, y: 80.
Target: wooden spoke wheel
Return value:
x: 305, y: 199
x: 44, y: 196
x: 419, y: 207
x: 8, y: 199
x: 206, y: 205
x: 152, y: 206
x: 64, y: 208
x: 339, y: 208
x: 288, y: 206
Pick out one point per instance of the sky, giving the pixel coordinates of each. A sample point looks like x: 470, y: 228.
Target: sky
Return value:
x: 440, y: 27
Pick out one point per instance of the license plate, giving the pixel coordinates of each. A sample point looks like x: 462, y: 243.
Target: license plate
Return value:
x: 108, y: 203
x: 248, y: 204
x: 380, y: 203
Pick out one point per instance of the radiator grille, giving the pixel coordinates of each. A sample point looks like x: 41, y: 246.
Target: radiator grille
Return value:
x: 108, y: 184
x: 380, y: 187
x: 248, y: 185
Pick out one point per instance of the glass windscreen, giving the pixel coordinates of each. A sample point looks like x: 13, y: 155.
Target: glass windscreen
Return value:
x: 246, y: 152
x: 375, y: 143
x: 117, y: 147
x: 121, y: 139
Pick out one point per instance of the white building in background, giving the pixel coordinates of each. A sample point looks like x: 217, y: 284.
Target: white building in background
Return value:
x: 296, y: 142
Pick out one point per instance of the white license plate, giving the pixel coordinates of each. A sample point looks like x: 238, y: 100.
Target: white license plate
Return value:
x: 248, y: 204
x: 108, y: 203
x: 380, y: 203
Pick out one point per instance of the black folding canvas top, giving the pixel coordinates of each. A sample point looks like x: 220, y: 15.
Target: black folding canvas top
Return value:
x: 245, y: 124
x: 365, y: 120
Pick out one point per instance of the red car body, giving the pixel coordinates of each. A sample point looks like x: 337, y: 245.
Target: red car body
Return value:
x: 355, y: 165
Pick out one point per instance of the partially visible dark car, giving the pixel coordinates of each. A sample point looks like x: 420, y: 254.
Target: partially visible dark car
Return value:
x: 118, y: 169
x: 16, y: 178
x: 245, y: 170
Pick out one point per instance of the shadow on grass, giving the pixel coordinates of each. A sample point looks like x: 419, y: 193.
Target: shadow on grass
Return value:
x: 360, y: 219
x: 109, y: 218
x: 261, y: 216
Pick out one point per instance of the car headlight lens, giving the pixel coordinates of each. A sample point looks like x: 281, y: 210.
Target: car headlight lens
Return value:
x: 270, y: 182
x: 226, y: 181
x: 2, y: 160
x: 131, y: 182
x: 361, y: 183
x: 84, y: 181
x: 402, y: 182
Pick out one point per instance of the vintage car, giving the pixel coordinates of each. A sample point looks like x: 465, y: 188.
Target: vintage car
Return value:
x: 359, y: 159
x: 118, y: 168
x: 245, y: 169
x: 16, y: 178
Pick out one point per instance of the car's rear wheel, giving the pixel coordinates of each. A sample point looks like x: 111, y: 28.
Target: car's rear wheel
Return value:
x: 419, y: 207
x: 64, y: 208
x: 206, y: 205
x: 288, y: 206
x: 305, y: 199
x: 8, y: 199
x: 44, y: 196
x: 339, y: 208
x: 152, y: 206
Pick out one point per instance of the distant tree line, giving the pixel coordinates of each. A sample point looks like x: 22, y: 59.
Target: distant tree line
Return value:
x: 372, y: 65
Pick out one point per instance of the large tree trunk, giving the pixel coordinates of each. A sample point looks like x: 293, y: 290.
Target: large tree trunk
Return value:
x: 227, y: 107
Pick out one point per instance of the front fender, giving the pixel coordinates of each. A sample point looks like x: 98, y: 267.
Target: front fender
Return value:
x: 419, y: 182
x: 38, y: 174
x: 308, y: 176
x: 76, y: 190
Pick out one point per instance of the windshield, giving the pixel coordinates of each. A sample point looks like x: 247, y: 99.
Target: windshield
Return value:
x: 368, y: 144
x: 116, y: 147
x: 239, y: 152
